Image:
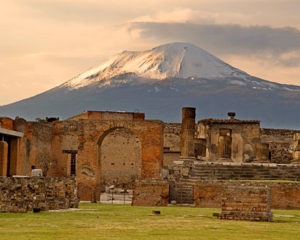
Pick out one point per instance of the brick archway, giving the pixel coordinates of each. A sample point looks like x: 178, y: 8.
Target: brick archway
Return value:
x: 93, y: 134
x: 119, y: 157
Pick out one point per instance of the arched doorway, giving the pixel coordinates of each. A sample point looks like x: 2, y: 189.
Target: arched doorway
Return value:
x: 120, y: 162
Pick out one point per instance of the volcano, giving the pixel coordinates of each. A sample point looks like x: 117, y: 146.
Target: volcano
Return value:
x: 162, y: 80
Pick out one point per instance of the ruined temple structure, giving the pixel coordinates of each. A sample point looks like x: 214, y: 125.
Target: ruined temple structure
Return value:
x: 228, y: 140
x: 104, y: 149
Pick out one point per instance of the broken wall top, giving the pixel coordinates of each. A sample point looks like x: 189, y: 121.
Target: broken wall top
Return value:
x: 107, y: 115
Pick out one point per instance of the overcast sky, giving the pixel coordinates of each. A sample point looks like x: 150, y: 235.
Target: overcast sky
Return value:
x: 44, y: 43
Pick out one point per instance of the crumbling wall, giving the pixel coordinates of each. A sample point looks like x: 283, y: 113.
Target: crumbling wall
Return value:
x: 23, y: 194
x: 172, y: 136
x: 107, y: 115
x: 284, y: 195
x: 59, y: 147
x: 35, y: 146
x: 6, y: 123
x: 171, y: 143
x: 280, y: 143
x: 246, y: 203
x: 151, y: 193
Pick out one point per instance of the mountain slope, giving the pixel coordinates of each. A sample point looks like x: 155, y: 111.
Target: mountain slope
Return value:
x: 180, y: 60
x: 162, y: 80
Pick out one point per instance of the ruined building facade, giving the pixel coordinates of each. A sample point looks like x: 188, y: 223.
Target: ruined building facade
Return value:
x: 229, y: 140
x: 99, y: 148
x: 116, y: 148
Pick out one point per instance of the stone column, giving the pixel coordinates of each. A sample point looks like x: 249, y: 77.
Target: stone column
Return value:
x: 296, y: 151
x: 187, y: 147
x: 3, y: 158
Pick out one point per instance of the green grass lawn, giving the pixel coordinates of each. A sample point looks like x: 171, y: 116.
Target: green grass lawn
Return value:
x: 101, y: 221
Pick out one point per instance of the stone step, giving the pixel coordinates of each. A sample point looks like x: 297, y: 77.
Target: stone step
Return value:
x: 219, y: 171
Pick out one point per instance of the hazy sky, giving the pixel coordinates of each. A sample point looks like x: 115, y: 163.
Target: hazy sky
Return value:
x: 44, y: 43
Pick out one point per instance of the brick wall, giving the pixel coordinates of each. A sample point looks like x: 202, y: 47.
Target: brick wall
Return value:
x: 284, y: 195
x: 246, y: 203
x: 45, y: 144
x: 22, y: 194
x: 151, y: 193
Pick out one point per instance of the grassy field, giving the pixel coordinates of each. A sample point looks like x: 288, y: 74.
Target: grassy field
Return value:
x: 102, y: 221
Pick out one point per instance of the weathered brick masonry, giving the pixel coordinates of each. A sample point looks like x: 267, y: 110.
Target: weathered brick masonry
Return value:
x: 116, y: 148
x: 246, y: 203
x: 243, y: 171
x: 22, y: 194
x: 99, y: 148
x: 151, y: 193
x: 284, y: 195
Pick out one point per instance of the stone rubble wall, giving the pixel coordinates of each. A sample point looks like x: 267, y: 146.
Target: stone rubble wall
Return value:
x: 246, y: 203
x: 172, y: 136
x: 152, y: 192
x: 22, y: 194
x: 171, y: 146
x: 280, y: 143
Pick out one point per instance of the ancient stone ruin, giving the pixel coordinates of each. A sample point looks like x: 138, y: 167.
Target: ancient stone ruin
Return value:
x: 182, y: 163
x: 246, y: 203
x: 23, y: 194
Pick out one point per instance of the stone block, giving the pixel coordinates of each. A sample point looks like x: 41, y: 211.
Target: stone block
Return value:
x: 246, y: 203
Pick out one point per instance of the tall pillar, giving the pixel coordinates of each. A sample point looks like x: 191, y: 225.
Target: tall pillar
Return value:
x: 296, y: 151
x: 188, y: 133
x: 3, y: 157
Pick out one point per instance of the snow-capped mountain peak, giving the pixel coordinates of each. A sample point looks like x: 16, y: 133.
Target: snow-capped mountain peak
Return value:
x: 177, y: 60
x: 162, y: 80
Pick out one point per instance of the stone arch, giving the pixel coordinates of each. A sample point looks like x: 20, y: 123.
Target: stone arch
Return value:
x: 119, y: 157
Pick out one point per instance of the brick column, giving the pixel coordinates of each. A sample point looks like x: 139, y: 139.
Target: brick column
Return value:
x: 187, y: 147
x: 3, y: 158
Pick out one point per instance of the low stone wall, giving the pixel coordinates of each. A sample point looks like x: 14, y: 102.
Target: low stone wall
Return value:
x: 22, y: 194
x: 246, y: 203
x: 284, y: 195
x: 151, y: 193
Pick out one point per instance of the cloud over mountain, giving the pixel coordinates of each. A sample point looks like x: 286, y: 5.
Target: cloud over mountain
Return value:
x: 227, y: 38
